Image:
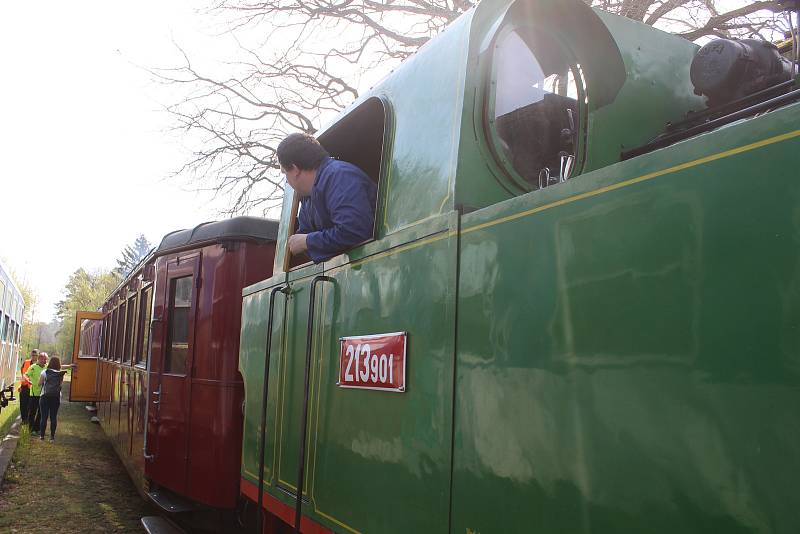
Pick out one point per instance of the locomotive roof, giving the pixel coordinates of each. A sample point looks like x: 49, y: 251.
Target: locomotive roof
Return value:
x: 236, y: 229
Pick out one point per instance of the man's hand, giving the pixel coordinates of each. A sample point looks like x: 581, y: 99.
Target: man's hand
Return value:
x: 297, y: 243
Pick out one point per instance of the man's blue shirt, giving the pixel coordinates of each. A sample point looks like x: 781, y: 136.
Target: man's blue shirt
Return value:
x: 340, y: 213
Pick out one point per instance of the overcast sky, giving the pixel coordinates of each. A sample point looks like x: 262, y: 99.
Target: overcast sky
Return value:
x: 83, y: 146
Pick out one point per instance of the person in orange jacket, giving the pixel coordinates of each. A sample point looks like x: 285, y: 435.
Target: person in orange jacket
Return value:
x: 25, y: 386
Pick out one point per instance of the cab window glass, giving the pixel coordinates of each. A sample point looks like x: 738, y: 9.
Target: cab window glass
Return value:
x: 535, y: 106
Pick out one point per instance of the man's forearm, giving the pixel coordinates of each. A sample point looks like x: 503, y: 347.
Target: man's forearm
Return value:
x: 330, y: 242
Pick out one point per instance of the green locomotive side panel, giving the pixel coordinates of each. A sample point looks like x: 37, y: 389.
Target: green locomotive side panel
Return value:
x: 426, y: 95
x: 657, y: 90
x: 291, y: 380
x: 376, y: 461
x: 381, y: 460
x: 629, y: 346
x: 255, y: 309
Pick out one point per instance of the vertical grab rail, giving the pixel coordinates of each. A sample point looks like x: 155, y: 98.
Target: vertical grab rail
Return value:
x: 301, y: 468
x: 264, y: 397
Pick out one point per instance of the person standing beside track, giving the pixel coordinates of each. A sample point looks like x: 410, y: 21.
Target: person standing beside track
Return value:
x: 25, y: 387
x: 50, y: 381
x: 33, y: 373
x: 338, y: 199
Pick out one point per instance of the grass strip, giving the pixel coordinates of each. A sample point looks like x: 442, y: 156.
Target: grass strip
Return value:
x: 8, y: 415
x: 76, y: 484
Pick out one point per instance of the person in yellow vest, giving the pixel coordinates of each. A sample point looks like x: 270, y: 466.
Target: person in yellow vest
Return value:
x: 25, y: 387
x: 33, y: 373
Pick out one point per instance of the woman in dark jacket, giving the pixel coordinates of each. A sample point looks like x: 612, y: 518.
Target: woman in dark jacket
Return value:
x: 51, y: 380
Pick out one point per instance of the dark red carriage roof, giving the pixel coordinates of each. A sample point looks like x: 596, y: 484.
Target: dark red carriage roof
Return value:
x: 237, y: 229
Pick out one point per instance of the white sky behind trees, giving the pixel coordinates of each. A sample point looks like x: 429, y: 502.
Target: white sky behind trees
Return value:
x: 84, y: 148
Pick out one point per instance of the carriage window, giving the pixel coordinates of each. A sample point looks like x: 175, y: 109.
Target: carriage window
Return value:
x: 120, y: 336
x: 106, y: 335
x: 143, y: 329
x: 129, y: 325
x: 89, y: 341
x: 112, y: 331
x: 535, y: 107
x: 180, y: 303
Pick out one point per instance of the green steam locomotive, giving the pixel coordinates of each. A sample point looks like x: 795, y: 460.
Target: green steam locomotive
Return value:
x: 581, y: 308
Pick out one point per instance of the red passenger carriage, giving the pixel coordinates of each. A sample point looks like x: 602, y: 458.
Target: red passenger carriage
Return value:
x: 165, y: 374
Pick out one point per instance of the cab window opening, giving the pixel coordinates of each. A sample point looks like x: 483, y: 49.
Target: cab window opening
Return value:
x: 533, y: 113
x: 356, y: 138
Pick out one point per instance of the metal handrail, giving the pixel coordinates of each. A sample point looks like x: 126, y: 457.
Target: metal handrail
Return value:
x: 301, y: 468
x: 264, y: 397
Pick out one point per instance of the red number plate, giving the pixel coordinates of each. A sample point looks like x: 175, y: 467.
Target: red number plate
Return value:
x: 373, y: 362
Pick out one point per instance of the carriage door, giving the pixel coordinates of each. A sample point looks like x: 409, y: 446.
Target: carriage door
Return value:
x: 85, y: 351
x: 171, y: 375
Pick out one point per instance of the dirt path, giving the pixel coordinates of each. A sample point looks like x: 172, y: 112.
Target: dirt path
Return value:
x: 76, y: 484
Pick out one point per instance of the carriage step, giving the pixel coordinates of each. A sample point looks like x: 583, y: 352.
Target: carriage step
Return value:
x: 154, y: 524
x: 169, y: 502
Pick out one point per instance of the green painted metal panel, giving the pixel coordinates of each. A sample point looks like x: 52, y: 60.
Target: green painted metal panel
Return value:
x: 252, y: 354
x: 628, y: 346
x: 290, y: 379
x: 376, y: 461
x: 657, y: 90
x: 426, y: 94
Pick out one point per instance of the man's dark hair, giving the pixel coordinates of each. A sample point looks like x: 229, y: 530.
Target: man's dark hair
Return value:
x: 302, y: 150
